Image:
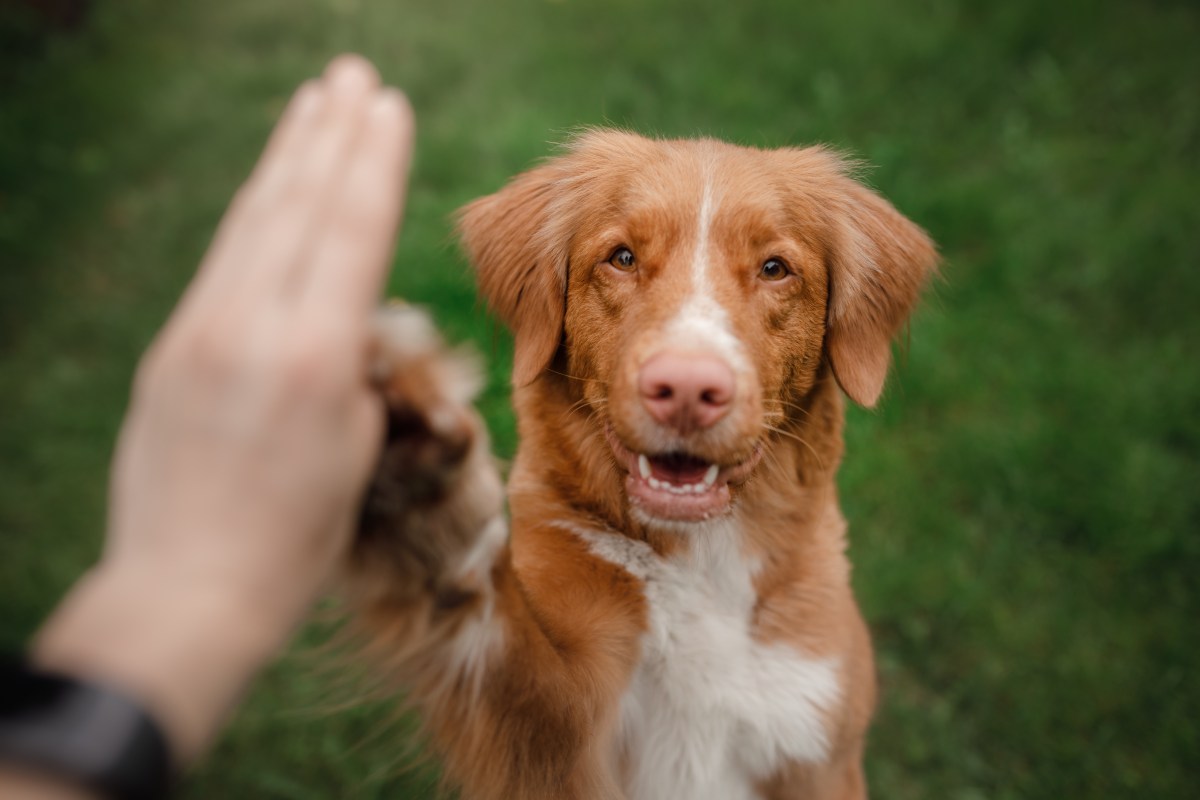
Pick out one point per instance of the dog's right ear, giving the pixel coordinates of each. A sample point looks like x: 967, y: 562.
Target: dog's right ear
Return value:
x: 514, y: 242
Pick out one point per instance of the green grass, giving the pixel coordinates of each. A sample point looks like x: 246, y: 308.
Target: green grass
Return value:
x: 1025, y: 508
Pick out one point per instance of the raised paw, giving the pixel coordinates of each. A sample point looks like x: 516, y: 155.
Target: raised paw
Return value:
x: 436, y: 489
x: 431, y: 426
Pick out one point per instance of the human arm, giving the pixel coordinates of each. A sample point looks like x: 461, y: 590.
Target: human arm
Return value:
x: 252, y: 427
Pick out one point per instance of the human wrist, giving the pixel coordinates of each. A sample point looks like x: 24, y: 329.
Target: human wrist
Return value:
x: 185, y: 648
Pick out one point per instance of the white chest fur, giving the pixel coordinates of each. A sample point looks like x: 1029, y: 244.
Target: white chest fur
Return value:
x: 710, y: 711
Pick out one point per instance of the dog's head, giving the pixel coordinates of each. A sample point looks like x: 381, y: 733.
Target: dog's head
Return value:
x: 695, y: 288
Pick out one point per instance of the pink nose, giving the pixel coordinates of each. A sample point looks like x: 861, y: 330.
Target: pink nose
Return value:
x: 686, y: 391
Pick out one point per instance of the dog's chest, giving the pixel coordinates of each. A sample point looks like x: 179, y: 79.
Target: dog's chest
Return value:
x: 710, y: 711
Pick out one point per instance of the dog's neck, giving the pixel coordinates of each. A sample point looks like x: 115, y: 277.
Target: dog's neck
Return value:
x: 564, y: 471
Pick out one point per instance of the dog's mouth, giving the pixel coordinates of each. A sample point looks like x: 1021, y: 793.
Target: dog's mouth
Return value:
x: 677, y: 485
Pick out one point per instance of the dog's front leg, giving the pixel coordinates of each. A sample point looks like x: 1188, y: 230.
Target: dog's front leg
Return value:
x: 518, y: 703
x: 432, y: 521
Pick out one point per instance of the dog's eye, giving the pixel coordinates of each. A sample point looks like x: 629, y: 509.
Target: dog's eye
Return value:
x: 773, y: 269
x: 622, y: 258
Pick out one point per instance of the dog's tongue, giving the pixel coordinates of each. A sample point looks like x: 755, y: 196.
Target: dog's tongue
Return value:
x: 678, y: 468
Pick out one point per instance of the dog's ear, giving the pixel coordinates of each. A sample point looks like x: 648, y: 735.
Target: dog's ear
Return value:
x: 520, y: 258
x: 878, y: 262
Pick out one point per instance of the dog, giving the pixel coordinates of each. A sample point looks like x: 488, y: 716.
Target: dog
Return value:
x: 665, y: 613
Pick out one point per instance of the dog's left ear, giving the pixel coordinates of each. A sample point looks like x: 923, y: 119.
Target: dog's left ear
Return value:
x: 878, y: 263
x: 520, y: 259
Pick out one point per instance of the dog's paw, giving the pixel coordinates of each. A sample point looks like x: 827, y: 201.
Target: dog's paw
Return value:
x: 435, y: 489
x: 431, y: 426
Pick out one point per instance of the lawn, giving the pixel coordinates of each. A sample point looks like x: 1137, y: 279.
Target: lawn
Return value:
x: 1025, y: 506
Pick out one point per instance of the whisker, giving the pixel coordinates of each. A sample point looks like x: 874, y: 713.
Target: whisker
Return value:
x: 788, y: 404
x: 595, y: 406
x: 591, y: 416
x: 773, y: 459
x: 578, y: 404
x: 577, y: 377
x: 774, y: 416
x: 800, y: 439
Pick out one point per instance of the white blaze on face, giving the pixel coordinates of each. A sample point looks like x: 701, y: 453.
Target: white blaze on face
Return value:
x: 702, y: 323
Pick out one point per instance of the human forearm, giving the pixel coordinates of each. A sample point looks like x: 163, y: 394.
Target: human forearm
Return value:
x: 183, y: 651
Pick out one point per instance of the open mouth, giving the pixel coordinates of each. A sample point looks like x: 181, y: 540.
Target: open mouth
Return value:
x: 677, y: 485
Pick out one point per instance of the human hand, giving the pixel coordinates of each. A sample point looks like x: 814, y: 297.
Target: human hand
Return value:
x: 253, y: 426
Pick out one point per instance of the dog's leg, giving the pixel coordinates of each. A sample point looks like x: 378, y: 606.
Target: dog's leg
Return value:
x: 432, y: 521
x: 517, y: 703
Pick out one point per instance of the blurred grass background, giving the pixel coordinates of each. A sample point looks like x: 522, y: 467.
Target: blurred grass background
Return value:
x: 1025, y: 508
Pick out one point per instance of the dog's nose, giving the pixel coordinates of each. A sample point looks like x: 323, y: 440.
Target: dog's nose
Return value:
x: 686, y: 391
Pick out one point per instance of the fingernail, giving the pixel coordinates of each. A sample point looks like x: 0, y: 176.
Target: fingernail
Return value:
x: 392, y: 102
x: 351, y: 73
x: 306, y: 98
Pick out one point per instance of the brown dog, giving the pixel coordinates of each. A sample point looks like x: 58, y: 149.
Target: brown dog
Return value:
x: 671, y: 616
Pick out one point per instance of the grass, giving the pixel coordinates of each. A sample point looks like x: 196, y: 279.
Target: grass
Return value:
x: 1024, y: 509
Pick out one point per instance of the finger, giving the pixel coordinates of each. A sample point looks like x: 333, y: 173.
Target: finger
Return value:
x: 350, y: 259
x: 282, y: 204
x: 296, y: 215
x: 287, y: 141
x: 237, y: 225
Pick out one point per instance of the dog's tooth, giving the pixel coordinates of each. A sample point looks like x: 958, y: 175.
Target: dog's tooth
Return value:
x: 644, y: 466
x: 710, y: 477
x: 656, y: 483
